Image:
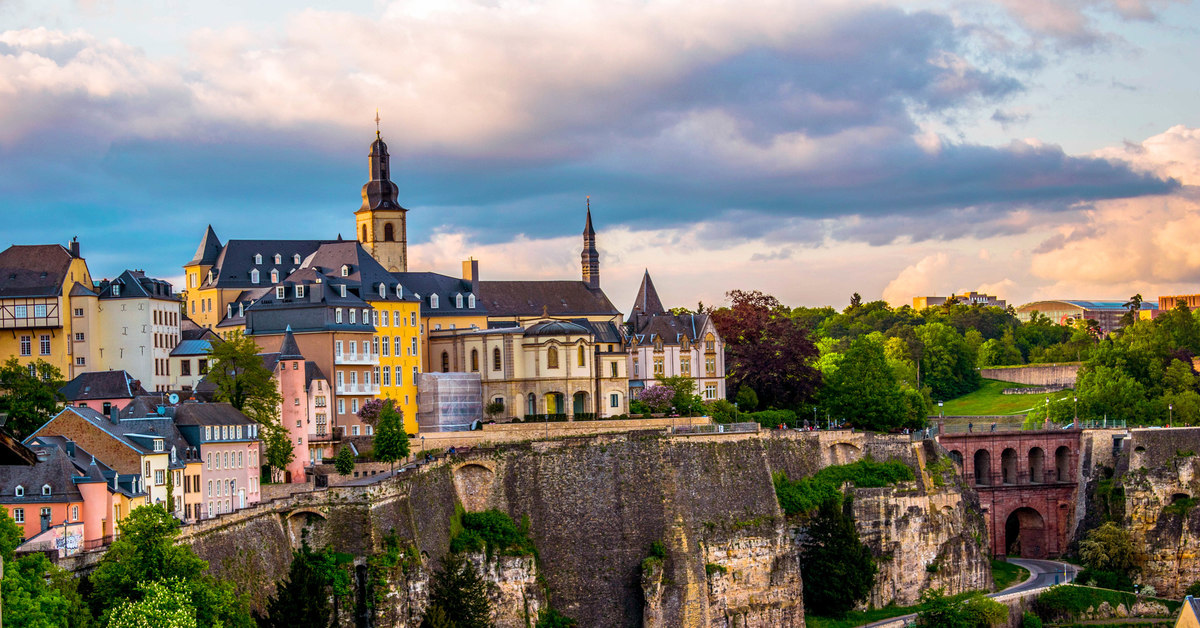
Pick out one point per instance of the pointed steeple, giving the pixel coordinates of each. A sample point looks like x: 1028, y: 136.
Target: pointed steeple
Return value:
x: 647, y: 302
x: 209, y: 249
x: 590, y: 258
x: 289, y: 350
x: 379, y: 192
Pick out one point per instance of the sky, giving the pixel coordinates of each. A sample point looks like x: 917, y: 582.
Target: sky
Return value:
x: 1030, y: 149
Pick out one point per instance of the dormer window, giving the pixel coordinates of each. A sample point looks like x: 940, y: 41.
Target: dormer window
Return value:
x: 254, y: 276
x: 46, y: 489
x: 433, y: 301
x: 229, y: 310
x: 382, y: 291
x: 116, y: 290
x: 158, y: 444
x: 173, y: 454
x: 299, y: 292
x: 353, y: 315
x: 241, y: 309
x: 278, y: 258
x: 20, y: 492
x: 471, y: 301
x: 399, y: 291
x: 296, y: 258
x: 342, y: 290
x: 280, y: 292
x: 337, y: 315
x: 257, y: 259
x: 458, y: 301
x: 345, y: 270
x: 274, y: 276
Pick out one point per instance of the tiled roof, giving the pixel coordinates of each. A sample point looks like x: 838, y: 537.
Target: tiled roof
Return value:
x: 209, y: 414
x: 36, y: 270
x: 135, y: 284
x: 102, y: 385
x: 555, y: 298
x: 55, y: 470
x: 647, y: 301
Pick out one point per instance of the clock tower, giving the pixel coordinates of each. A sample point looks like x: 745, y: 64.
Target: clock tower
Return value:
x: 380, y: 222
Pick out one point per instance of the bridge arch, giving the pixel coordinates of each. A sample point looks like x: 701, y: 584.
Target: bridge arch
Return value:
x: 1008, y: 466
x: 1025, y: 533
x: 844, y: 453
x: 473, y: 482
x: 1062, y: 463
x: 983, y: 467
x: 956, y: 456
x: 1037, y: 465
x: 306, y: 524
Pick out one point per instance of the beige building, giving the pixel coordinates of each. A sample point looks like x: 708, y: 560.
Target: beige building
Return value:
x: 967, y: 298
x: 541, y: 366
x: 132, y: 325
x: 662, y: 344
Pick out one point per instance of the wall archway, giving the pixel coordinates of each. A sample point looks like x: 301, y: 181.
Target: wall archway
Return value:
x: 1062, y: 463
x: 1037, y: 465
x: 956, y: 456
x: 1025, y: 533
x: 844, y: 453
x: 473, y: 483
x: 1008, y: 466
x: 305, y: 525
x: 389, y: 232
x: 983, y: 467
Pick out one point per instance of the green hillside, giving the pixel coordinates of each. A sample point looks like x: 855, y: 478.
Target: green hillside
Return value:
x: 990, y: 400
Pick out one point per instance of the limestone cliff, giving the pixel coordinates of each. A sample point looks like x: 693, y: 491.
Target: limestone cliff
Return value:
x: 596, y: 506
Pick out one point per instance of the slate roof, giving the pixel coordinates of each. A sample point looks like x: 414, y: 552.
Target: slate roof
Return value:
x: 311, y: 372
x: 232, y: 267
x: 191, y: 347
x: 554, y: 298
x: 189, y: 330
x: 556, y: 328
x: 53, y: 468
x: 671, y: 328
x: 209, y: 249
x: 136, y: 285
x: 647, y: 301
x: 36, y: 270
x: 289, y: 350
x: 210, y: 414
x: 102, y: 385
x: 446, y: 287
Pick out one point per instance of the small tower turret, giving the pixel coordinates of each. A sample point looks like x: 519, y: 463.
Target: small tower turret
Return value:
x: 381, y: 220
x: 590, y: 258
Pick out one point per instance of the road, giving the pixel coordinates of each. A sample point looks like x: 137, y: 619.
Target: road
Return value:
x: 1043, y: 573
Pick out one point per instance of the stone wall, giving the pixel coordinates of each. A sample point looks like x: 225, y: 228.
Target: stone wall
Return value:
x: 594, y: 506
x: 1035, y: 375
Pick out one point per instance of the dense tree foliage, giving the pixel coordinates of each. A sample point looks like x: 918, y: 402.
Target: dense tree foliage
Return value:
x: 1111, y: 557
x: 862, y: 388
x: 164, y: 604
x: 972, y: 611
x: 838, y: 568
x: 242, y: 379
x: 458, y: 596
x: 304, y: 598
x: 29, y: 394
x: 391, y: 441
x: 344, y: 461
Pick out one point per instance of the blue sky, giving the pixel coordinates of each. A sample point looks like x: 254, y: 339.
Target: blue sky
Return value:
x: 1032, y: 149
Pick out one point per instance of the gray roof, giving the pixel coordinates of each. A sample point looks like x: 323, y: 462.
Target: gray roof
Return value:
x: 670, y: 328
x: 232, y: 267
x: 554, y: 298
x: 36, y: 270
x: 54, y: 468
x: 647, y: 301
x: 556, y: 328
x: 192, y: 347
x: 447, y: 288
x: 209, y: 249
x: 209, y: 414
x: 102, y: 385
x: 135, y: 284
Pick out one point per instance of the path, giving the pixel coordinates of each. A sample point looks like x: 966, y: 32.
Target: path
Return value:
x: 1042, y: 573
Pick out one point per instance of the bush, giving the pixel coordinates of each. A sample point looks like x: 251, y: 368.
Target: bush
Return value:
x: 974, y: 610
x: 721, y: 411
x: 807, y: 494
x: 493, y: 532
x: 1029, y: 620
x: 1105, y: 579
x: 1180, y: 507
x: 550, y: 618
x: 1066, y: 602
x: 1193, y: 590
x: 713, y: 568
x: 773, y: 418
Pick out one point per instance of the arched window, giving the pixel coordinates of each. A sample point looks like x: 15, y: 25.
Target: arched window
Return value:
x: 582, y: 356
x: 496, y: 359
x: 458, y: 301
x: 399, y: 291
x: 471, y: 301
x: 296, y: 258
x: 274, y: 276
x: 445, y: 362
x: 382, y: 291
x: 389, y: 232
x: 20, y: 492
x: 254, y: 276
x: 45, y: 489
x: 532, y: 401
x: 433, y: 301
x: 552, y: 358
x: 474, y: 360
x: 345, y: 270
x: 257, y: 259
x: 364, y: 230
x: 278, y: 258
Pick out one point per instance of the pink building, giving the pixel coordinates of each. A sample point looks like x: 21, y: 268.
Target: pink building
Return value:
x: 102, y: 391
x: 229, y: 448
x: 305, y: 408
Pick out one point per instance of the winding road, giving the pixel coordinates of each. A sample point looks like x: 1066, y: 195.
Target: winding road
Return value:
x: 1042, y: 573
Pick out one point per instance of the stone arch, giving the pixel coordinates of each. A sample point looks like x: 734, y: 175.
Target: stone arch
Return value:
x: 1037, y: 465
x: 983, y: 467
x: 1008, y: 466
x: 1062, y: 463
x: 843, y: 453
x: 555, y: 402
x: 956, y: 456
x: 389, y: 232
x: 473, y: 484
x: 306, y: 524
x: 579, y: 402
x: 1025, y: 533
x: 1178, y: 496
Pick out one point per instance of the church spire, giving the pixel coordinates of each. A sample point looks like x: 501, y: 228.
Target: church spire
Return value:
x: 590, y: 258
x: 380, y: 192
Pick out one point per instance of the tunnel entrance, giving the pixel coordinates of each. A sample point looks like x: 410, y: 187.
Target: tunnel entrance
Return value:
x: 1025, y: 534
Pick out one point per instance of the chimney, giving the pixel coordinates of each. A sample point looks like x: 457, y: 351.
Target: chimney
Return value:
x: 70, y: 448
x: 471, y: 272
x: 74, y: 248
x: 114, y: 415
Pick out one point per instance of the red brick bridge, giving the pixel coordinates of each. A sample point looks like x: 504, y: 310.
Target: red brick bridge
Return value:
x: 1027, y: 482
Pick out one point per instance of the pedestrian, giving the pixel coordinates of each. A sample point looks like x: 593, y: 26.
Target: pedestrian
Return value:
x: 993, y: 427
x: 970, y: 427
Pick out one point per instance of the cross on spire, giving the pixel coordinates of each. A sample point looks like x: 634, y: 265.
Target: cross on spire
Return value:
x: 377, y: 123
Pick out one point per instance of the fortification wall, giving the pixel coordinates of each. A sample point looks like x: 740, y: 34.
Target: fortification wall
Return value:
x: 1035, y: 375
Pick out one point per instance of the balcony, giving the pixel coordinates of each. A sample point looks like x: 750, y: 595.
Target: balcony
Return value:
x: 328, y: 437
x: 362, y: 359
x: 357, y: 389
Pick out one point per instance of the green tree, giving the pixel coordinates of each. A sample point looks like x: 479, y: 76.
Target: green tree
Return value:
x: 241, y: 378
x: 29, y: 398
x: 1110, y: 548
x: 684, y: 398
x: 164, y: 604
x: 839, y: 570
x: 974, y: 611
x: 550, y: 618
x: 39, y: 594
x: 947, y: 362
x: 863, y: 390
x: 494, y: 409
x: 303, y: 598
x: 277, y: 449
x: 747, y: 399
x: 11, y: 536
x: 457, y: 591
x: 344, y: 462
x: 146, y: 551
x: 391, y: 441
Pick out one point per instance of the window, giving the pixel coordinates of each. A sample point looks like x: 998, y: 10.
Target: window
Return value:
x: 376, y: 370
x: 458, y: 301
x: 612, y: 369
x: 19, y: 515
x: 79, y: 311
x: 45, y: 489
x: 79, y: 336
x: 345, y: 270
x: 396, y: 345
x: 414, y: 346
x: 710, y: 366
x: 685, y: 366
x: 710, y: 391
x: 341, y: 406
x: 274, y: 276
x: 354, y: 430
x: 353, y: 313
x: 296, y: 258
x: 116, y: 290
x: 614, y: 400
x: 278, y: 258
x: 337, y: 315
x: 582, y: 356
x: 299, y: 292
x: 74, y: 513
x: 445, y: 362
x: 474, y: 360
x: 387, y: 346
x: 257, y: 259
x: 370, y: 431
x: 433, y: 301
x: 374, y: 345
x: 414, y: 374
x: 254, y: 275
x: 202, y: 366
x: 20, y: 491
x: 337, y: 348
x: 387, y: 316
x: 387, y: 375
x: 552, y: 358
x: 44, y: 346
x: 496, y: 359
x: 280, y: 292
x: 159, y: 478
x: 26, y: 345
x: 471, y: 301
x: 20, y: 311
x: 412, y: 319
x: 240, y: 460
x: 210, y: 492
x: 39, y: 311
x: 80, y: 361
x: 658, y: 366
x: 239, y: 428
x: 210, y: 466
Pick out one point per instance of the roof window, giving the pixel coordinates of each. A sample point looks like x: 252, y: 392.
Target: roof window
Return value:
x: 382, y: 291
x: 116, y: 290
x: 274, y: 276
x: 257, y: 259
x: 471, y: 301
x: 296, y: 258
x: 278, y: 258
x: 20, y: 491
x: 433, y: 301
x: 280, y: 292
x: 345, y: 270
x: 458, y: 301
x: 342, y: 289
x: 254, y: 275
x: 299, y: 292
x: 46, y: 489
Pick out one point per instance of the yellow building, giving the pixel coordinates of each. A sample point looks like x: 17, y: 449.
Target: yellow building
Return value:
x: 1189, y: 614
x: 41, y: 287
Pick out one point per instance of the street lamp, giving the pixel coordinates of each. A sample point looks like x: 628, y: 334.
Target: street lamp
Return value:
x: 1170, y: 414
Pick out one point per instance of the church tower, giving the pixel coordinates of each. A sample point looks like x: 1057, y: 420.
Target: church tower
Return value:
x: 590, y: 259
x: 381, y: 220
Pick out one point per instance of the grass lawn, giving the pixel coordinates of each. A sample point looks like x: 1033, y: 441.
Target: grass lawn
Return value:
x: 991, y: 400
x: 1006, y: 574
x: 858, y: 618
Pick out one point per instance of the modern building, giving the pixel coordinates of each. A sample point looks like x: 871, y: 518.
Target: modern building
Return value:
x: 40, y: 306
x: 102, y: 390
x: 673, y: 345
x: 967, y: 298
x: 1065, y: 312
x: 1192, y: 301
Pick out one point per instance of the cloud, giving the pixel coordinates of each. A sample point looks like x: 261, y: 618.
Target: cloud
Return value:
x: 1073, y: 23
